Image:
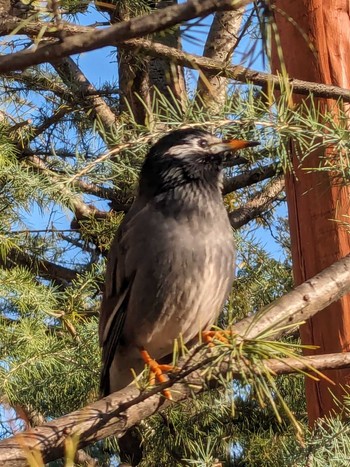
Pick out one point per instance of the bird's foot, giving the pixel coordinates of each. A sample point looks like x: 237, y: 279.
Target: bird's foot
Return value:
x: 223, y: 336
x: 157, y: 371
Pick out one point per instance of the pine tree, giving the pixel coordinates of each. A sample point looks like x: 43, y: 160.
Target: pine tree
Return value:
x: 70, y: 156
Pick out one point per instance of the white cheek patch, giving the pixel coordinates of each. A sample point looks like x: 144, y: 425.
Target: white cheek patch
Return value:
x: 185, y: 151
x: 178, y: 151
x: 193, y: 146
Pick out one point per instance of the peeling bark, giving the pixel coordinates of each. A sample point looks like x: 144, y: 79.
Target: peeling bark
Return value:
x: 314, y: 202
x: 220, y: 44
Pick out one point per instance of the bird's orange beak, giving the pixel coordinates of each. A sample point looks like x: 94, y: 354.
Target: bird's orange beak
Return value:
x: 236, y: 144
x: 232, y: 145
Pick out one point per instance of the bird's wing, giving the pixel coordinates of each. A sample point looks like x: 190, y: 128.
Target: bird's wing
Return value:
x: 118, y: 285
x: 111, y: 337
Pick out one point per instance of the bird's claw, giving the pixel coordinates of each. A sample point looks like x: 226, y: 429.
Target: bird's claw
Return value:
x: 210, y: 336
x: 157, y: 371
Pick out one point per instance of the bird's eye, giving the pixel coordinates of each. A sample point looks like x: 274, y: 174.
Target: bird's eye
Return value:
x: 203, y: 143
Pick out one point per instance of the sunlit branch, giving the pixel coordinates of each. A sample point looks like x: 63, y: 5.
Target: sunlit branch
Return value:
x: 117, y: 33
x: 258, y: 204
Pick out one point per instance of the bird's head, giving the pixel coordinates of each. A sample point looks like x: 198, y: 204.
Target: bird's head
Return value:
x: 187, y: 155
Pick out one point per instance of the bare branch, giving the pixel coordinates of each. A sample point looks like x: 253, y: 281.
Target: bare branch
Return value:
x: 236, y: 72
x: 43, y: 268
x: 239, y: 73
x: 118, y: 33
x: 249, y: 178
x: 320, y: 362
x: 96, y: 190
x: 9, y: 23
x: 33, y: 418
x: 301, y: 303
x: 165, y: 75
x: 258, y: 204
x: 116, y: 413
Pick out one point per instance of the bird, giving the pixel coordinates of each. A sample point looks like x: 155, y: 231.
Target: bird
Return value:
x: 171, y: 266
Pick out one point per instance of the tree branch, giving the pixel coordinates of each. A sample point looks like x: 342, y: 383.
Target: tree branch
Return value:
x: 43, y: 268
x: 81, y: 210
x: 116, y: 413
x: 32, y: 418
x: 249, y: 178
x: 301, y: 303
x: 118, y: 33
x: 77, y: 82
x: 60, y: 113
x: 258, y: 204
x: 96, y: 190
x: 237, y: 72
x: 36, y: 82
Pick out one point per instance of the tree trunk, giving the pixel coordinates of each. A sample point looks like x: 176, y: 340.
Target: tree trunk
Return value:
x: 317, y: 50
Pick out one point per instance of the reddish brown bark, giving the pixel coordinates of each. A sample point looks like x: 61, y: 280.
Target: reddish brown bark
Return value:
x: 313, y: 200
